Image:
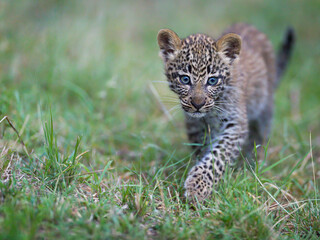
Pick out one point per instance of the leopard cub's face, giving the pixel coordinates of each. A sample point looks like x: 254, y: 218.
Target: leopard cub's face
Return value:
x: 197, y: 68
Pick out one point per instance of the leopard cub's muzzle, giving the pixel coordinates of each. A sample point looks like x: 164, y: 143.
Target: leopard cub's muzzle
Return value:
x: 196, y: 106
x: 197, y: 102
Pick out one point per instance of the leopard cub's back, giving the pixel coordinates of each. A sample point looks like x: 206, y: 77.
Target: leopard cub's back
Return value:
x: 257, y: 69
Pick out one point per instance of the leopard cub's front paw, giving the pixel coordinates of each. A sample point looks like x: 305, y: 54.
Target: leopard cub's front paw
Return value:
x: 199, y: 183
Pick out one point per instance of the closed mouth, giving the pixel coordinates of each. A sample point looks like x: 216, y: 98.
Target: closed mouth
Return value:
x: 196, y: 114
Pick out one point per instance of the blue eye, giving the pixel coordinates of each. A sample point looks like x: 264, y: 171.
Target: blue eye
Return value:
x: 212, y: 81
x: 185, y: 79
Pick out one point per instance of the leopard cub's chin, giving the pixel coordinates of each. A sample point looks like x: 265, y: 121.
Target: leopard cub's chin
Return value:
x: 196, y: 114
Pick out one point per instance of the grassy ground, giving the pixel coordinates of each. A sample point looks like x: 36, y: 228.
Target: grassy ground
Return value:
x: 82, y: 83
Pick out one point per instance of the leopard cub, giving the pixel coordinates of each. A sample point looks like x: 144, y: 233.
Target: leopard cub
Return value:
x: 226, y: 89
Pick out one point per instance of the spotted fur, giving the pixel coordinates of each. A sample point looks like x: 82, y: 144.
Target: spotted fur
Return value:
x: 230, y: 116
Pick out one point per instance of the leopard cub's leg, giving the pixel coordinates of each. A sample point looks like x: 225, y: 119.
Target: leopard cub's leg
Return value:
x: 209, y: 170
x: 203, y: 177
x: 200, y: 180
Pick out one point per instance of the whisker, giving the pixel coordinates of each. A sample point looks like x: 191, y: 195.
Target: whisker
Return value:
x: 169, y: 98
x: 221, y: 110
x: 169, y: 101
x: 174, y: 108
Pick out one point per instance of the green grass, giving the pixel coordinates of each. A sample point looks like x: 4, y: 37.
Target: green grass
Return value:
x: 83, y: 84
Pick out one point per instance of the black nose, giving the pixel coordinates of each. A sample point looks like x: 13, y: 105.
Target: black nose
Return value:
x: 197, y: 104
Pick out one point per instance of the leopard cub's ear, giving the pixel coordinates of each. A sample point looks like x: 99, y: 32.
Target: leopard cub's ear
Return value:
x: 169, y: 44
x: 229, y: 46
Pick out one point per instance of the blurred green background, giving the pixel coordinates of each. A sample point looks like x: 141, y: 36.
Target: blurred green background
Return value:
x: 95, y: 64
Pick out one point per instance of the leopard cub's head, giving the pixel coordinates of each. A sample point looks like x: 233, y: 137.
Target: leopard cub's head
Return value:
x: 198, y: 68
